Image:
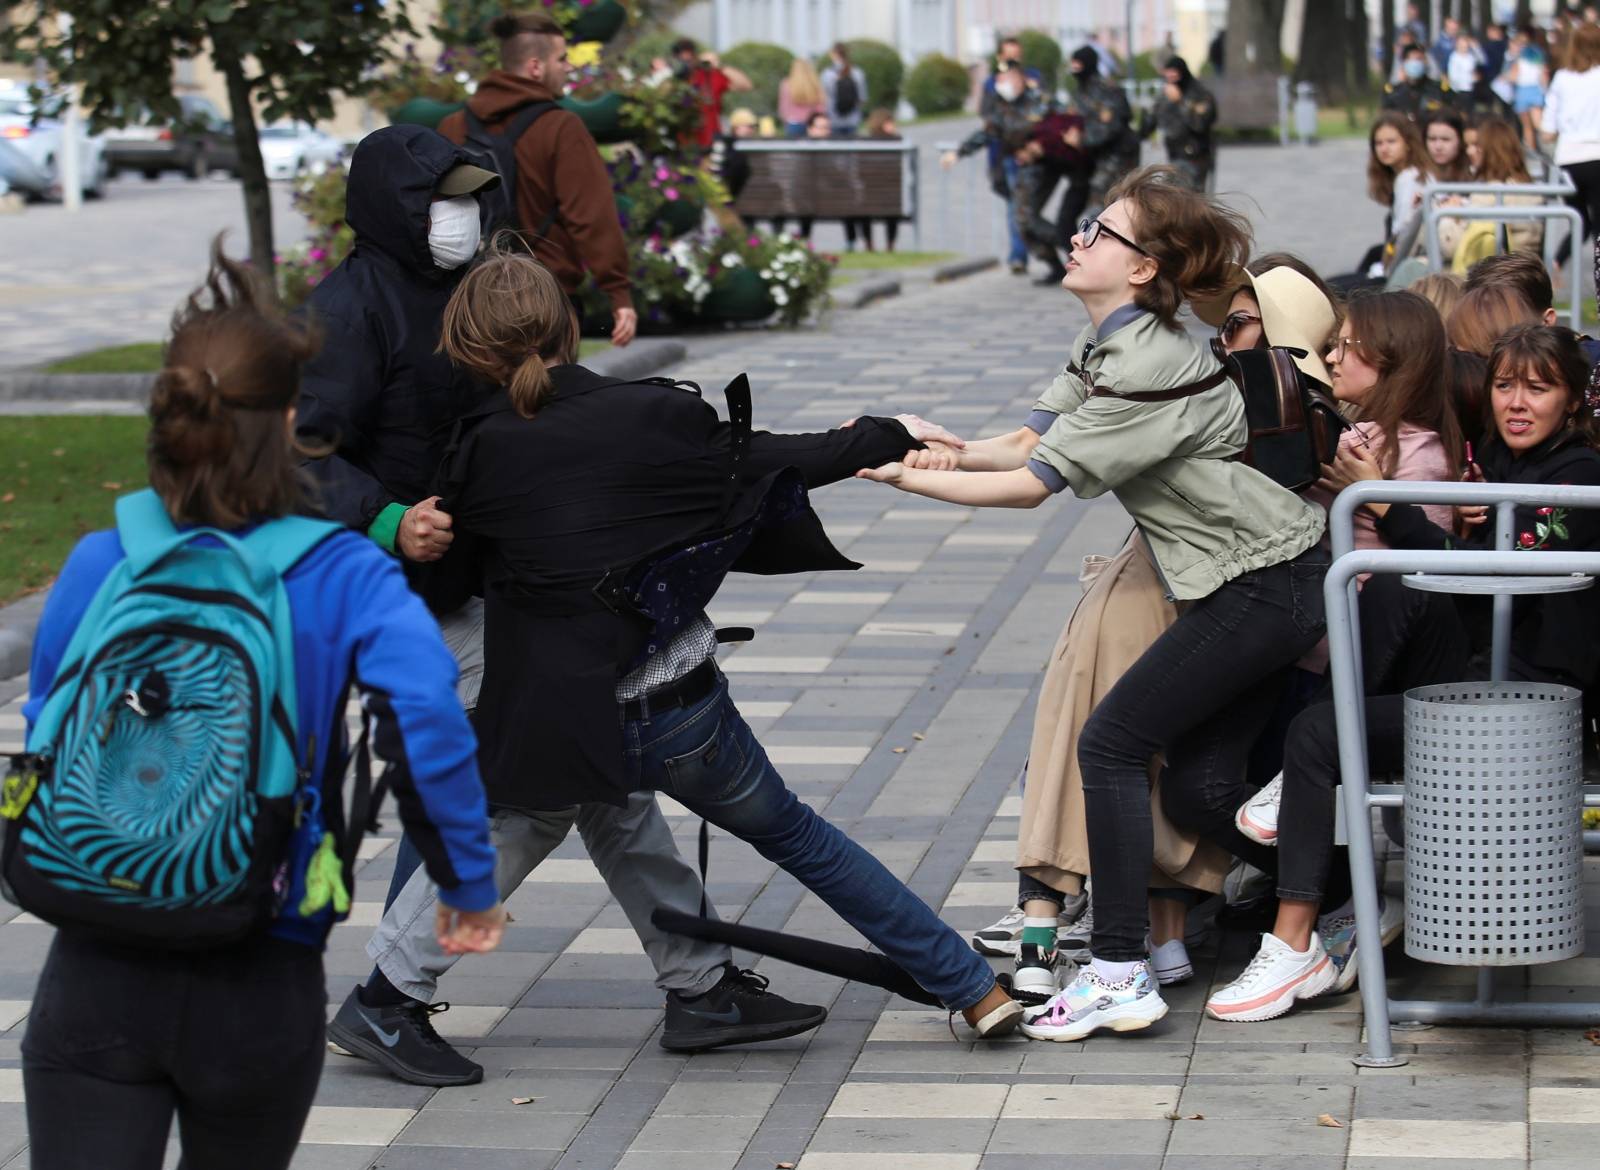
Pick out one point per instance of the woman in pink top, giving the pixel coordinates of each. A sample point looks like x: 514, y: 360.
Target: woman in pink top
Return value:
x: 799, y: 96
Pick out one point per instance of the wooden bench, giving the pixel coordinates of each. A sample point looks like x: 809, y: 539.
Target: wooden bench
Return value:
x: 829, y: 179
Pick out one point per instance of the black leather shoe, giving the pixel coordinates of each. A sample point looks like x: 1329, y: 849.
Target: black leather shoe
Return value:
x: 400, y: 1038
x: 738, y: 1010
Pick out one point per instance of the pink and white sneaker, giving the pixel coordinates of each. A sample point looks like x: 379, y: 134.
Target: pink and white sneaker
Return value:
x: 1275, y: 978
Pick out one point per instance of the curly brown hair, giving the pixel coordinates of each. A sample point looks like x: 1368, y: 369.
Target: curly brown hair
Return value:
x: 1198, y: 244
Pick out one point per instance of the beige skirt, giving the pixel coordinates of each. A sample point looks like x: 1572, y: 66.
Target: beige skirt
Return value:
x: 1123, y: 611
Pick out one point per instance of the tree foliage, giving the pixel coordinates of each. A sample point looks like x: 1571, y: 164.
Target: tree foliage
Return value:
x: 287, y: 58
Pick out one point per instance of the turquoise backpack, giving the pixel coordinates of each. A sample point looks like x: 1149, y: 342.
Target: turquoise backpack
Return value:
x: 159, y: 791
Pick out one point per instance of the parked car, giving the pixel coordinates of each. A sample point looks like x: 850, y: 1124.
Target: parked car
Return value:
x: 37, y: 132
x: 290, y: 149
x: 21, y: 174
x: 197, y: 143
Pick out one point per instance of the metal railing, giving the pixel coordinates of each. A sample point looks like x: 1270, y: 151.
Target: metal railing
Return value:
x: 1503, y: 213
x: 1339, y: 592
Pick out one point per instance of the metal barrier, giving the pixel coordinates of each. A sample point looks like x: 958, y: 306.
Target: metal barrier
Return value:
x: 1339, y: 592
x: 1502, y: 213
x: 956, y: 201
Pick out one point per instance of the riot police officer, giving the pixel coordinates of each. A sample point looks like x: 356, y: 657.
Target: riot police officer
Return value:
x: 1185, y: 115
x: 1416, y: 94
x: 1109, y: 138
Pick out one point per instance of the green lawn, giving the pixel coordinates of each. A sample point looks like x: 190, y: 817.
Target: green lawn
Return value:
x: 874, y: 261
x: 143, y: 357
x: 59, y: 475
x: 1335, y: 122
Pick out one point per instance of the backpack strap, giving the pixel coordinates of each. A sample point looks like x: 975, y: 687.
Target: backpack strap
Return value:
x: 283, y: 542
x: 148, y: 536
x: 504, y: 146
x: 1177, y: 392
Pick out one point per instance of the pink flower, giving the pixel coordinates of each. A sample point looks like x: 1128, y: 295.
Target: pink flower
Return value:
x: 663, y: 174
x: 755, y: 241
x: 671, y: 193
x: 317, y: 254
x: 1526, y: 540
x: 1546, y: 510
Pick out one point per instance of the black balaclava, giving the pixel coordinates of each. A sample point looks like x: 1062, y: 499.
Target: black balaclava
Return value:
x: 1185, y: 78
x: 1086, y: 64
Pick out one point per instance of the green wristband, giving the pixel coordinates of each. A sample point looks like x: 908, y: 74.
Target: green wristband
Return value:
x: 387, y: 526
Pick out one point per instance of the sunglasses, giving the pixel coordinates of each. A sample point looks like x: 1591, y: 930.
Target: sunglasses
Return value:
x: 1092, y: 229
x: 1233, y: 323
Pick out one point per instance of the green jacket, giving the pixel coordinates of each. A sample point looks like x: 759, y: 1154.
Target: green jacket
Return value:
x: 1208, y: 517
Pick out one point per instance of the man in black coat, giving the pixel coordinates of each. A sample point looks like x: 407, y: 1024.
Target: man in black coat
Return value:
x: 384, y: 400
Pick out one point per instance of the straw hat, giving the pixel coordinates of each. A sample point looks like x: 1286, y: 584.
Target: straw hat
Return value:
x: 1294, y: 313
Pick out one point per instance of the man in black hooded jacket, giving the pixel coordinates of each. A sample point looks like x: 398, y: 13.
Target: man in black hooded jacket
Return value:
x: 1184, y: 116
x: 384, y: 400
x: 1109, y: 138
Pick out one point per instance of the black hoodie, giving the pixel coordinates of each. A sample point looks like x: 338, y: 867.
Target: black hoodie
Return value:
x: 377, y: 391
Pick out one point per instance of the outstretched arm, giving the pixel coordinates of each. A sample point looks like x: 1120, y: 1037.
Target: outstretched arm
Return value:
x: 1019, y: 488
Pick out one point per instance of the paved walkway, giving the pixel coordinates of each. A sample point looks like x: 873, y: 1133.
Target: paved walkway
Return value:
x: 898, y: 700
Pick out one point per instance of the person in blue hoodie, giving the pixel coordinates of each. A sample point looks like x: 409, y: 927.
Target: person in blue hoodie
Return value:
x: 231, y: 1039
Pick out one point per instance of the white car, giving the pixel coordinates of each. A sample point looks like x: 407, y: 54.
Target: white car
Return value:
x: 291, y: 149
x: 40, y: 139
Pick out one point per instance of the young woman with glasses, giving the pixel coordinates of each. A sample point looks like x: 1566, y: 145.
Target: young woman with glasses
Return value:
x: 1240, y: 552
x: 1123, y: 611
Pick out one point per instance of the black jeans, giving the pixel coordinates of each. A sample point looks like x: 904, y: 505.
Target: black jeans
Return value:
x: 1585, y: 177
x: 1200, y: 695
x: 1409, y: 638
x: 119, y: 1040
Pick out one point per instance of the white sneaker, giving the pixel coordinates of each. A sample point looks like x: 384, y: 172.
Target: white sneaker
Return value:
x: 1170, y: 962
x: 1339, y: 931
x: 1275, y: 978
x: 1075, y: 939
x: 1001, y: 938
x: 1037, y: 975
x: 1087, y: 1004
x: 1257, y: 817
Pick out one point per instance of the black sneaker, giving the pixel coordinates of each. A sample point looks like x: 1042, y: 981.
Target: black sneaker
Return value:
x: 401, y: 1039
x: 738, y: 1010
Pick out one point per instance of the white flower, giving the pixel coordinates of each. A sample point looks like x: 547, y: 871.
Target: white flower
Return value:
x: 766, y: 274
x: 731, y: 260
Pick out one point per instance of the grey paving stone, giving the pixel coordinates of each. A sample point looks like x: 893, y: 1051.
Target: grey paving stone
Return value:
x: 1256, y: 1162
x: 1059, y: 1160
x: 405, y: 1157
x: 1438, y: 1164
x: 1122, y: 1137
x: 1262, y: 1138
x: 1456, y: 1097
x: 667, y: 1134
x: 328, y: 1157
x: 485, y: 1130
x: 1267, y: 1102
x: 902, y: 1135
x: 1552, y: 1140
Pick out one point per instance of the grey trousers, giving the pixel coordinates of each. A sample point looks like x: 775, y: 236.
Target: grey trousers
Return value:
x: 631, y: 847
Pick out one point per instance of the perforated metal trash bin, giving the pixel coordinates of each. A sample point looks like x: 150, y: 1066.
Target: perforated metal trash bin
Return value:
x: 1493, y: 823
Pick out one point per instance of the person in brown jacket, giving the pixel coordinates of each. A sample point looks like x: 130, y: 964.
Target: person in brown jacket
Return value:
x: 559, y: 169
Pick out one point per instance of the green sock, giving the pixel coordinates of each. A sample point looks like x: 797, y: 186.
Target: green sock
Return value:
x: 1039, y: 932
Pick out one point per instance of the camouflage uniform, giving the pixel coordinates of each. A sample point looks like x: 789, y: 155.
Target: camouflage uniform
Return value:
x: 1419, y: 99
x: 1011, y: 126
x: 1108, y: 135
x: 1185, y: 127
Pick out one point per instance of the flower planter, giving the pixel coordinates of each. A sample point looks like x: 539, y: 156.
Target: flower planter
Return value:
x: 678, y: 216
x: 602, y: 116
x: 423, y: 111
x: 738, y: 295
x: 601, y: 21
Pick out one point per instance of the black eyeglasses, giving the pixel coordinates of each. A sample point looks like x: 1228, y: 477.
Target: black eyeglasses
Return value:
x: 1092, y: 229
x: 1233, y: 323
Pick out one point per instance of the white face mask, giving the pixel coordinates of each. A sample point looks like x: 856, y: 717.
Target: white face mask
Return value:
x: 453, y: 231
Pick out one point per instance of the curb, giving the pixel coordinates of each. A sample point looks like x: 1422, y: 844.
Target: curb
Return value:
x: 18, y: 620
x: 17, y: 623
x: 956, y: 269
x: 864, y: 292
x: 31, y: 385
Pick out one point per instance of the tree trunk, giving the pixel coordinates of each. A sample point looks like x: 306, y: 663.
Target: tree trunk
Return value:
x: 1253, y: 31
x: 1524, y: 13
x: 1324, y: 52
x: 1390, y: 33
x: 252, y: 170
x: 1358, y: 28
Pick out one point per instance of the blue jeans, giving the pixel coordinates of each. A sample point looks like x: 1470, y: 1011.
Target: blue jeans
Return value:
x: 707, y: 758
x: 1019, y: 246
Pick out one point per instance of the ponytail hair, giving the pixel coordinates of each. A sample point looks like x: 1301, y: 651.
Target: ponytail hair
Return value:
x: 507, y: 322
x: 219, y: 448
x: 1198, y: 244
